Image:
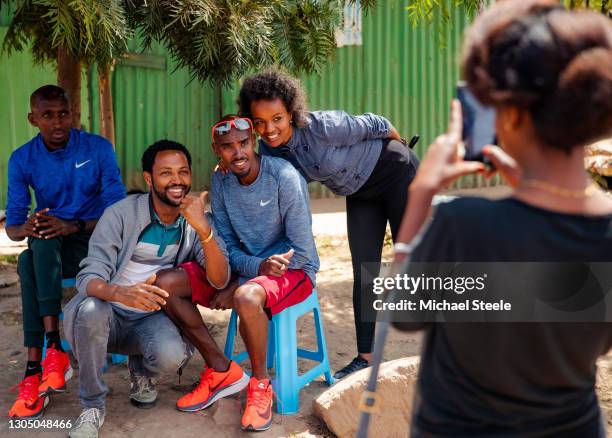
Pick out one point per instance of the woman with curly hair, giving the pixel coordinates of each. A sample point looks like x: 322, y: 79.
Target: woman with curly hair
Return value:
x: 360, y: 157
x: 548, y: 73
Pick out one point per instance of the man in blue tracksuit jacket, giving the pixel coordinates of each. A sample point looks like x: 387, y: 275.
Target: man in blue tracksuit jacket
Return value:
x: 74, y: 177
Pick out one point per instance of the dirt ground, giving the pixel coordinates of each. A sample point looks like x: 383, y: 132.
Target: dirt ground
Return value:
x: 223, y: 419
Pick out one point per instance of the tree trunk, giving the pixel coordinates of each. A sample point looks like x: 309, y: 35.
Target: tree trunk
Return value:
x: 219, y: 93
x: 69, y: 78
x: 90, y: 99
x: 107, y: 118
x: 481, y: 6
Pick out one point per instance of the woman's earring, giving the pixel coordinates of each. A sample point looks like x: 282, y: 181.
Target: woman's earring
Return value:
x: 291, y: 122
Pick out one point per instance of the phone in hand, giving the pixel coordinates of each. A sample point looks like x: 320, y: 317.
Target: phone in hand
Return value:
x: 478, y: 124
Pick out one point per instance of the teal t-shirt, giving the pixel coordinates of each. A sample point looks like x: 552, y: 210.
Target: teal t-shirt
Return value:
x: 157, y: 248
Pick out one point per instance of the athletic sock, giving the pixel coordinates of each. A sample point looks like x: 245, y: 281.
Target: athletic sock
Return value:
x: 33, y: 367
x: 54, y: 341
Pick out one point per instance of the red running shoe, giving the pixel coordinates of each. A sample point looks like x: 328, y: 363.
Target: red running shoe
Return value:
x: 258, y: 413
x: 56, y: 371
x: 28, y: 403
x: 213, y: 386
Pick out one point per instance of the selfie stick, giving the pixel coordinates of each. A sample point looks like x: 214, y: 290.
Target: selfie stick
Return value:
x: 370, y: 403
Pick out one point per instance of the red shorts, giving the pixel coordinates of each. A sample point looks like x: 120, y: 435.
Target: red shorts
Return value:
x: 281, y: 292
x: 201, y: 290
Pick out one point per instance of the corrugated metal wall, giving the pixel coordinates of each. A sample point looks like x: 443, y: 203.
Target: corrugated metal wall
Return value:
x: 18, y: 78
x: 405, y: 73
x: 399, y: 71
x: 152, y: 101
x: 5, y: 16
x: 14, y: 106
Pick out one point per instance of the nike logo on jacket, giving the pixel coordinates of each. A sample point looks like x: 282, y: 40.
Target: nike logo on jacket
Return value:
x: 77, y: 165
x: 76, y: 182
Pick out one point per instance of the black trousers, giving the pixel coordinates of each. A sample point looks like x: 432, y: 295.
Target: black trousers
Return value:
x: 41, y: 268
x: 380, y: 200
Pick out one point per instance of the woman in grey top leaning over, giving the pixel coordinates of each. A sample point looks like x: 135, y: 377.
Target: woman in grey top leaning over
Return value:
x: 360, y: 157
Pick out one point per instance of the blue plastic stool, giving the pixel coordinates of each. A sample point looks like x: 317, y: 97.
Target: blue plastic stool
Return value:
x: 115, y: 358
x: 283, y: 352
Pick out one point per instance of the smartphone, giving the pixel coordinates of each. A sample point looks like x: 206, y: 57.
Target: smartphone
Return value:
x: 478, y: 124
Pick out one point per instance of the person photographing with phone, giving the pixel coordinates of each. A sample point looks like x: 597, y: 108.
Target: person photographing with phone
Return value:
x: 548, y: 74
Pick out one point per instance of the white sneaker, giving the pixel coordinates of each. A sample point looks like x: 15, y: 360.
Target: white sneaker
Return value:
x: 143, y: 394
x: 88, y: 424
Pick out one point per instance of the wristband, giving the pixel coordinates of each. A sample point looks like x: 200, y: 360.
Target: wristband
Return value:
x: 209, y: 238
x: 403, y: 248
x: 81, y: 225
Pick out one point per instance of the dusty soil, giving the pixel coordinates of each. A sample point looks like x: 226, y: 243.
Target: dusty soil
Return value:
x: 222, y: 420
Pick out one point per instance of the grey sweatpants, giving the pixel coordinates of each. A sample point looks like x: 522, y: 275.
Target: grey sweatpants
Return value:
x: 152, y: 341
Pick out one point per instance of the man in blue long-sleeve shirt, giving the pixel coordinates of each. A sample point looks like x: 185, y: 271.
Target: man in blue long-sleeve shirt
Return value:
x: 261, y: 210
x: 74, y: 177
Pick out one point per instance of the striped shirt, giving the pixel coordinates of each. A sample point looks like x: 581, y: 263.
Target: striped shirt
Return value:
x: 157, y: 249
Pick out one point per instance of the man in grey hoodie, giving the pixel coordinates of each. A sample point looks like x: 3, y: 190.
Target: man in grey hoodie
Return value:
x: 117, y: 308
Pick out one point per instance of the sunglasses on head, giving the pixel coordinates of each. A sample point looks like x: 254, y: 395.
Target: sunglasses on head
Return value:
x: 241, y: 124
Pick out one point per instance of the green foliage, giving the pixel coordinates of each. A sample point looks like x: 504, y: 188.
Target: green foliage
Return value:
x: 366, y: 5
x: 92, y: 30
x: 437, y: 14
x: 303, y: 33
x: 603, y: 6
x: 216, y: 40
x: 429, y: 10
x: 10, y: 259
x: 219, y: 40
x: 211, y: 38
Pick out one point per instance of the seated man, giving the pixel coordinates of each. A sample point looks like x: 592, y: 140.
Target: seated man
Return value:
x: 117, y: 307
x: 261, y: 209
x: 74, y: 177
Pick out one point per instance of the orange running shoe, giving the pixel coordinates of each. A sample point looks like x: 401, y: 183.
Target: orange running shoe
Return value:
x: 28, y: 403
x: 56, y: 371
x: 258, y: 413
x: 213, y: 386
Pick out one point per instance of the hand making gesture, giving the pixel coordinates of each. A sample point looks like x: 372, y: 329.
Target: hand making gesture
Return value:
x: 277, y: 264
x: 192, y: 208
x: 49, y: 226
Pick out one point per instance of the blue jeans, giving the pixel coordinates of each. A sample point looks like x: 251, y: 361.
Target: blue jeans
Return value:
x: 152, y: 341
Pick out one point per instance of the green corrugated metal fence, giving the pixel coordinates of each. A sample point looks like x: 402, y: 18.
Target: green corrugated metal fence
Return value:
x: 153, y: 101
x: 399, y: 72
x: 18, y: 78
